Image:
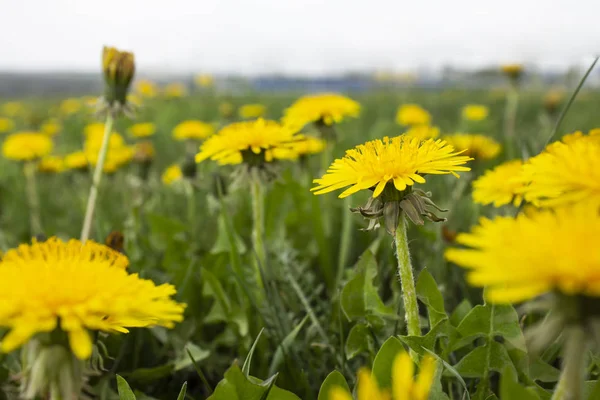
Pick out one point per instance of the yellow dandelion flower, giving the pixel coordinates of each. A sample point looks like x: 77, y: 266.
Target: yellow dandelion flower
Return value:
x: 501, y: 185
x: 513, y: 71
x: 404, y: 386
x: 480, y: 147
x: 51, y: 165
x: 172, y: 174
x: 12, y: 109
x: 475, y: 112
x: 400, y: 161
x: 77, y: 287
x: 309, y: 145
x: 89, y: 101
x: 226, y: 109
x: 250, y: 111
x: 325, y: 108
x: 204, y: 80
x: 143, y: 129
x: 6, y: 125
x: 423, y: 132
x: 564, y: 174
x: 144, y: 151
x: 552, y: 100
x: 412, y: 114
x: 51, y: 127
x: 146, y: 88
x: 25, y: 146
x: 77, y: 160
x: 521, y: 258
x: 135, y: 100
x: 117, y: 157
x: 593, y: 135
x: 258, y: 137
x: 70, y: 106
x: 193, y: 129
x: 175, y: 90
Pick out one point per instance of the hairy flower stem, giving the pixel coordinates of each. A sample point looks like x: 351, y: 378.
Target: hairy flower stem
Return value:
x: 91, y: 204
x: 32, y: 198
x: 409, y: 294
x: 258, y: 227
x: 570, y: 385
x: 510, y: 116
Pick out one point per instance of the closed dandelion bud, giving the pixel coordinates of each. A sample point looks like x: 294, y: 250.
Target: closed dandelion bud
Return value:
x: 118, y: 68
x: 514, y: 72
x: 551, y: 102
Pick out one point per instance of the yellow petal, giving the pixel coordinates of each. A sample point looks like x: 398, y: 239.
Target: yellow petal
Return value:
x: 81, y: 343
x: 367, y: 387
x: 425, y: 379
x: 402, y: 376
x: 339, y: 394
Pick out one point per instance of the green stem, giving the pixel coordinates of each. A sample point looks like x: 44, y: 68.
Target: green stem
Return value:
x: 33, y: 199
x: 258, y: 227
x: 405, y: 271
x: 191, y: 207
x: 345, y: 241
x: 510, y: 115
x: 570, y: 385
x: 91, y: 204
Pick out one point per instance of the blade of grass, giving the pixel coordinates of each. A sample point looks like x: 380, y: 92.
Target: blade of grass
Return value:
x: 199, y: 372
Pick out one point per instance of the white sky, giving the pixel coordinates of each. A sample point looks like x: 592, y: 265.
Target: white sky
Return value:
x: 305, y: 37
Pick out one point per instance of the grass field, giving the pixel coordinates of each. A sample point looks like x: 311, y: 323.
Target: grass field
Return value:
x: 330, y: 298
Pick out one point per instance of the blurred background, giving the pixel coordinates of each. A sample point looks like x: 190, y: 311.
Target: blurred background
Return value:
x: 53, y: 47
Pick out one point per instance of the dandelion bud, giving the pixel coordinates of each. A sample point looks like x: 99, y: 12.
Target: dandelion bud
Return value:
x: 118, y: 68
x: 513, y: 72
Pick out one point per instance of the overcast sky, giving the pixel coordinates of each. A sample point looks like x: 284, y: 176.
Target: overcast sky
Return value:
x: 306, y: 37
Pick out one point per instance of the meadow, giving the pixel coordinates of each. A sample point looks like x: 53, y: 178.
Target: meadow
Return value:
x: 287, y: 294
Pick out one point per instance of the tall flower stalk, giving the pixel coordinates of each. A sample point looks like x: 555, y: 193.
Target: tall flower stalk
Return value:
x: 514, y: 73
x: 33, y: 200
x: 405, y: 272
x: 570, y: 384
x: 258, y: 226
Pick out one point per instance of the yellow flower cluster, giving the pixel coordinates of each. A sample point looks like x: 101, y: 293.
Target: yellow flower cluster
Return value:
x: 118, y: 154
x: 26, y: 146
x: 326, y: 108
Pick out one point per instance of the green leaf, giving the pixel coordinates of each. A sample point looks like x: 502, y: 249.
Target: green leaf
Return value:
x: 359, y: 296
x: 284, y: 347
x: 184, y: 360
x: 421, y: 343
x: 125, y: 392
x: 382, y: 365
x: 222, y: 242
x: 182, y: 392
x: 543, y: 372
x: 429, y: 294
x: 593, y: 390
x: 460, y: 312
x: 511, y: 389
x: 471, y: 365
x: 451, y: 372
x: 333, y: 380
x: 359, y: 340
x: 248, y: 360
x: 237, y: 386
x: 477, y: 324
x: 150, y: 374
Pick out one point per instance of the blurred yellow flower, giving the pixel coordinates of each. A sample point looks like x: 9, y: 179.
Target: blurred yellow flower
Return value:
x: 89, y: 101
x: 250, y: 111
x: 26, y: 146
x: 513, y: 71
x: 325, y: 108
x: 51, y: 127
x: 308, y: 145
x: 248, y: 141
x: 226, y: 109
x: 174, y: 90
x: 144, y: 151
x: 412, y: 114
x: 6, y: 125
x: 501, y: 185
x: 118, y: 153
x: 51, y: 165
x: 518, y: 259
x: 77, y: 287
x: 70, y: 106
x: 172, y: 174
x: 193, y: 129
x: 400, y: 161
x: 480, y: 147
x: 593, y: 136
x: 422, y: 132
x: 475, y: 112
x: 404, y: 385
x: 116, y: 158
x: 565, y: 173
x: 204, y: 80
x: 552, y: 100
x: 12, y: 109
x: 142, y: 129
x: 76, y: 160
x: 146, y: 88
x: 135, y: 100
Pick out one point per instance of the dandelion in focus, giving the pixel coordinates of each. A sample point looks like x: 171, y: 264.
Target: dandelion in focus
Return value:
x: 502, y: 185
x: 175, y: 90
x: 404, y: 385
x: 480, y: 147
x: 142, y: 130
x: 172, y: 174
x: 118, y: 68
x: 251, y: 111
x: 56, y: 316
x: 192, y: 130
x: 324, y: 109
x: 6, y: 125
x: 475, y: 112
x: 412, y: 114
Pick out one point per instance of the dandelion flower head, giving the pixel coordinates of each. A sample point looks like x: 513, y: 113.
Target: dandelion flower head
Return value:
x: 251, y: 111
x: 193, y: 129
x: 142, y: 129
x: 475, y: 112
x: 412, y: 114
x: 12, y: 109
x: 76, y: 160
x: 502, y: 185
x: 51, y: 165
x: 175, y: 90
x: 172, y: 174
x: 401, y: 161
x: 6, y: 125
x: 51, y: 127
x: 76, y: 288
x: 26, y: 146
x: 70, y: 106
x: 423, y: 132
x: 204, y: 80
x: 309, y: 145
x: 146, y: 88
x: 562, y: 257
x: 326, y: 108
x: 480, y: 147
